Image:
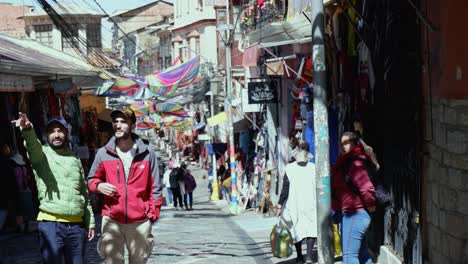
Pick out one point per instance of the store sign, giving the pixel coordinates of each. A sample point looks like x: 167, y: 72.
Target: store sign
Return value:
x: 16, y: 83
x: 204, y: 137
x: 262, y: 92
x: 215, y: 2
x: 246, y: 107
x: 62, y: 86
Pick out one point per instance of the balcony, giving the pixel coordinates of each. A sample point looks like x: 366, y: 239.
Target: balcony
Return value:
x: 256, y: 16
x: 274, y: 21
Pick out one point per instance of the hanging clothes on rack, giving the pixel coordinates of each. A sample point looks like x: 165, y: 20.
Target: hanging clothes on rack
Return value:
x: 366, y: 73
x: 351, y: 13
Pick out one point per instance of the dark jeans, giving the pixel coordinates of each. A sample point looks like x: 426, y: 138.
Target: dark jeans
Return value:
x: 62, y: 241
x: 177, y: 197
x: 310, y: 241
x: 188, y: 195
x: 226, y: 193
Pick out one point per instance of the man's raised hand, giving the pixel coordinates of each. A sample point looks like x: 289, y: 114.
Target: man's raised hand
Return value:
x: 22, y: 121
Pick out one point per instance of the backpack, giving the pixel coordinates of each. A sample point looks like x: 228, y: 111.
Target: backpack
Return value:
x: 383, y: 198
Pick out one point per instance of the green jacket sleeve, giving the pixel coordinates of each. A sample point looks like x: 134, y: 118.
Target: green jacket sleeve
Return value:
x: 33, y: 146
x: 88, y: 216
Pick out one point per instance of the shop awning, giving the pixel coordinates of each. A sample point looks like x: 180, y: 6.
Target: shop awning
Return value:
x: 34, y: 59
x: 285, y: 42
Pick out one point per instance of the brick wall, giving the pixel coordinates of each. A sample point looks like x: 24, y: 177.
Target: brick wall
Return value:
x: 446, y: 181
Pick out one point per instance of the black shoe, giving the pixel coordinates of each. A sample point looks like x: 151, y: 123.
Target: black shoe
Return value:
x: 300, y: 260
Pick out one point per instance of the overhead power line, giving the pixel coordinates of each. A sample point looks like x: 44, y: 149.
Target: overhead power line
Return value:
x: 118, y: 27
x: 69, y: 31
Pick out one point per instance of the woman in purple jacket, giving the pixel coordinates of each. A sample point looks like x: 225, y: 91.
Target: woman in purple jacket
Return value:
x: 190, y: 185
x: 353, y: 194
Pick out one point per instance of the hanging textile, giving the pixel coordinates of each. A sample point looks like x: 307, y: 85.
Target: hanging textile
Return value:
x: 351, y: 29
x: 156, y: 84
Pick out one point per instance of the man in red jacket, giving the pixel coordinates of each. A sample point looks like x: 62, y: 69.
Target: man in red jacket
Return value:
x: 126, y: 172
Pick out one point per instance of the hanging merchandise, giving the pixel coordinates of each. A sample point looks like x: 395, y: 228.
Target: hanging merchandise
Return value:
x: 153, y: 85
x: 352, y: 24
x: 340, y: 29
x: 366, y: 73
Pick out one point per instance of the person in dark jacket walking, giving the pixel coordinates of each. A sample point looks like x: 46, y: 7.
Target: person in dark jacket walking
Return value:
x: 174, y: 180
x: 190, y: 185
x: 126, y: 172
x: 354, y: 207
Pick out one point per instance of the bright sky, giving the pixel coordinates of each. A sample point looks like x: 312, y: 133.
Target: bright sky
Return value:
x: 109, y: 5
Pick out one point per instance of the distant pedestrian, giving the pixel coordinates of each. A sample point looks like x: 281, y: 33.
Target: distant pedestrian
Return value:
x: 210, y: 181
x: 126, y: 172
x: 167, y: 185
x: 171, y: 163
x: 174, y: 179
x: 24, y: 199
x: 190, y: 185
x: 298, y: 204
x: 65, y: 218
x: 355, y: 207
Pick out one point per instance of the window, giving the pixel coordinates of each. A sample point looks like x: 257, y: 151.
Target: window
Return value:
x: 197, y: 46
x: 221, y: 16
x: 221, y: 21
x: 93, y: 36
x: 70, y: 38
x: 44, y: 34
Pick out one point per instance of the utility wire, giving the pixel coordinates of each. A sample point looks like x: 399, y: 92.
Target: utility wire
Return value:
x: 71, y: 36
x: 91, y: 51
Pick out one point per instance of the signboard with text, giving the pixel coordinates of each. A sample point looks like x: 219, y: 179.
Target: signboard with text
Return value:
x: 16, y: 83
x: 262, y: 92
x: 215, y: 2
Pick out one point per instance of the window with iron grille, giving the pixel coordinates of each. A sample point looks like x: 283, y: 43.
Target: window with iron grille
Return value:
x: 93, y: 36
x: 70, y: 39
x: 44, y: 34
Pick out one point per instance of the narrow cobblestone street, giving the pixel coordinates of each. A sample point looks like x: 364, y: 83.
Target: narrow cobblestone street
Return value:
x: 205, y: 235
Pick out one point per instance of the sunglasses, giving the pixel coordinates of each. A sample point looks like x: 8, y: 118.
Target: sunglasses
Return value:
x: 346, y: 142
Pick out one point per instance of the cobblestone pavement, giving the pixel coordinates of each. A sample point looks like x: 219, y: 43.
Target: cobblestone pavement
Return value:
x: 205, y: 235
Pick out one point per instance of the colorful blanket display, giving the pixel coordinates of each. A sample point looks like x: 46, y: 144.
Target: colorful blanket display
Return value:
x: 142, y: 90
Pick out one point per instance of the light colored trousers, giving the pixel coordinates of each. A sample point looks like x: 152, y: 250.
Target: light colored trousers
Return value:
x: 136, y: 237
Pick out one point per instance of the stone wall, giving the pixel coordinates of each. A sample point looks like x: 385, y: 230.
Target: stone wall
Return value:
x: 446, y: 181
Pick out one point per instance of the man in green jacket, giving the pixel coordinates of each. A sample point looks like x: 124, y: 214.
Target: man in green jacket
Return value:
x: 65, y: 218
